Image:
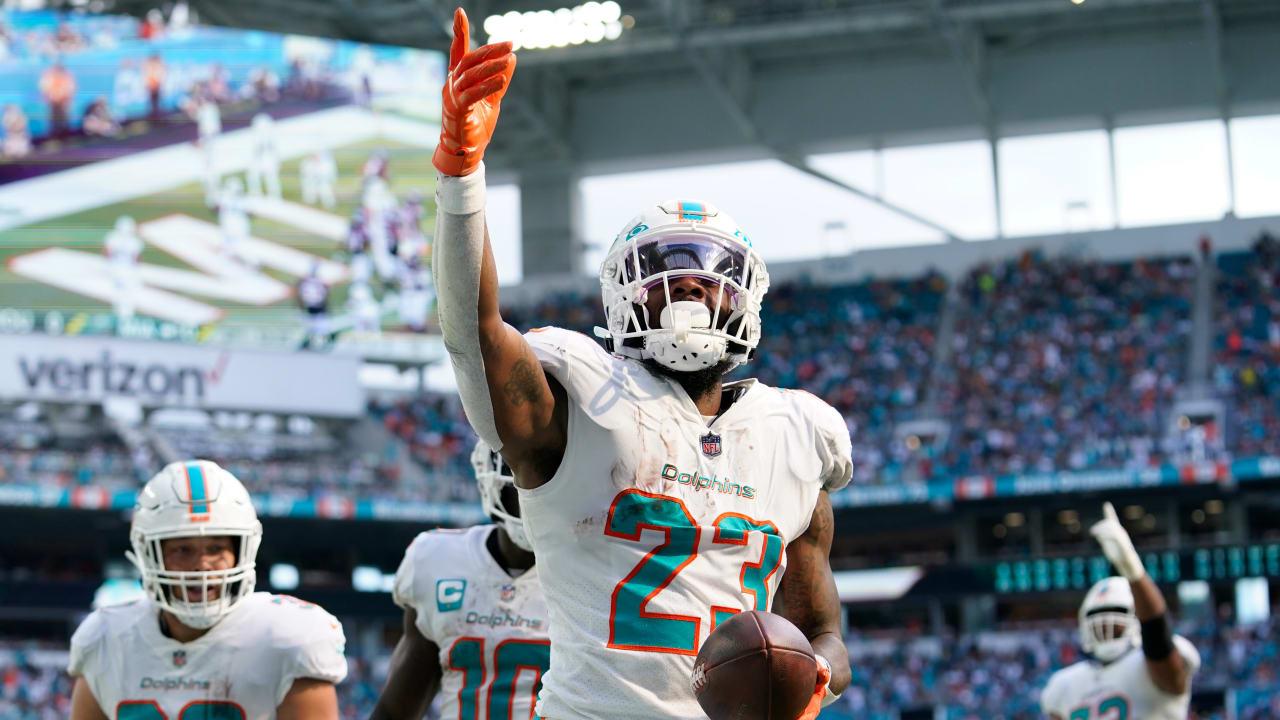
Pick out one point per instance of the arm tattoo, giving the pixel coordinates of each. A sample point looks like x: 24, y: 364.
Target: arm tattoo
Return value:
x: 808, y: 597
x: 522, y: 386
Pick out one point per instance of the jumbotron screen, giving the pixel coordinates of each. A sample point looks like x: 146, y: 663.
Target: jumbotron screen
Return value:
x: 174, y: 181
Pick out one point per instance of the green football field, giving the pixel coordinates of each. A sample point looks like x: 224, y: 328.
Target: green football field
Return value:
x: 409, y: 169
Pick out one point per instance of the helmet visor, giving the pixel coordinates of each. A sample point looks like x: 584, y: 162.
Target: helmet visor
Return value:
x: 700, y: 254
x: 1107, y: 625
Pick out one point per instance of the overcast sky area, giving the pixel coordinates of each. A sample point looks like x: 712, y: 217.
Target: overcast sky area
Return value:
x: 1050, y: 184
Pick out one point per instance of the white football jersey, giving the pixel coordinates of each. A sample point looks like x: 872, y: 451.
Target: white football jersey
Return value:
x: 123, y: 247
x: 657, y: 525
x: 1121, y: 690
x: 491, y: 628
x: 246, y: 662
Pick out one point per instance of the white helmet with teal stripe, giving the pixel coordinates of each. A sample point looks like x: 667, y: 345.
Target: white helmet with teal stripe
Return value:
x: 186, y: 499
x: 1109, y: 625
x: 671, y: 240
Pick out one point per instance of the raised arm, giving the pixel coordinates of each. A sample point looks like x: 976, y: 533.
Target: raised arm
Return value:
x: 1167, y: 667
x: 509, y: 400
x: 413, y: 678
x: 807, y: 597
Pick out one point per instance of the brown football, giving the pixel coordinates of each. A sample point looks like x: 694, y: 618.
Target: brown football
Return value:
x: 755, y: 666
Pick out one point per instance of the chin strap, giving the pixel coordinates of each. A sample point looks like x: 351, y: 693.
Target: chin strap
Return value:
x: 456, y: 256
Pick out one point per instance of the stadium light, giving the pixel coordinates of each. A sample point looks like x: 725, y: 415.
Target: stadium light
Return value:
x: 366, y: 578
x: 590, y: 22
x: 283, y: 576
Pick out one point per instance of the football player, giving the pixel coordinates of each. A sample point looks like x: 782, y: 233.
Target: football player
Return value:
x: 203, y: 643
x: 233, y: 219
x: 264, y: 167
x: 475, y: 623
x: 123, y: 248
x: 660, y: 499
x: 1138, y: 669
x: 318, y: 172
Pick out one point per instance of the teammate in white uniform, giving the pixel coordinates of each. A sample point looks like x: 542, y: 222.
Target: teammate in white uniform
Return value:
x: 364, y: 309
x: 203, y: 643
x: 123, y: 248
x: 1138, y: 669
x: 659, y: 499
x: 379, y: 210
x: 233, y: 219
x: 415, y: 291
x: 209, y: 129
x: 475, y: 623
x: 264, y: 166
x: 318, y: 174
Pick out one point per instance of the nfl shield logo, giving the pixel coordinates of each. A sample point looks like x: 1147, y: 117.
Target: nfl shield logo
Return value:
x: 508, y: 593
x: 179, y: 658
x: 711, y: 444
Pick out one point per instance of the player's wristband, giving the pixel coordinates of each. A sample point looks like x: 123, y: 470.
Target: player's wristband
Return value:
x: 829, y: 697
x: 1157, y: 637
x: 462, y: 194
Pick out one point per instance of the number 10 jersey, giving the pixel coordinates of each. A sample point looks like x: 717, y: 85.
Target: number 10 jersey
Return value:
x: 658, y: 525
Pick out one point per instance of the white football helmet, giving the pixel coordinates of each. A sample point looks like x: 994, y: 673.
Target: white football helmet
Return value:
x: 194, y: 498
x: 125, y: 225
x: 492, y: 474
x: 677, y: 239
x: 1108, y: 622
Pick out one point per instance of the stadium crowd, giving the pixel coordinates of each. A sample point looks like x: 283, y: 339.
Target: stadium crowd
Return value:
x: 1247, y: 346
x: 994, y: 675
x: 1062, y: 364
x: 1080, y: 377
x: 1053, y: 364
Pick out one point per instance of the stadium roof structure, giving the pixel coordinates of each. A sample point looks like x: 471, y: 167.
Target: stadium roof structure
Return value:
x: 697, y: 81
x: 693, y: 78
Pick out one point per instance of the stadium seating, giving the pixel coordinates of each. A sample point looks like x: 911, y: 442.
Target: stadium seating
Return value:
x: 1247, y: 346
x: 1062, y: 364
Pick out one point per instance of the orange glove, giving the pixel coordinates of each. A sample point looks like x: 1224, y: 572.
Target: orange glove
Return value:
x: 819, y: 692
x: 475, y: 85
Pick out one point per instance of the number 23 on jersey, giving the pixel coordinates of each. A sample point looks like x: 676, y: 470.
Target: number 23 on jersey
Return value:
x: 631, y: 625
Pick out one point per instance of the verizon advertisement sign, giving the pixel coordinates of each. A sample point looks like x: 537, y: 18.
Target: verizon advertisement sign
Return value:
x: 166, y: 374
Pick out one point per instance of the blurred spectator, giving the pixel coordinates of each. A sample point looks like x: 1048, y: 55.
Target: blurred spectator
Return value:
x: 1246, y: 367
x: 264, y: 85
x: 439, y: 437
x: 17, y: 138
x: 152, y: 26
x: 98, y: 121
x: 180, y: 20
x: 1062, y: 364
x: 313, y: 297
x: 153, y: 72
x: 67, y: 39
x: 219, y: 84
x: 57, y: 87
